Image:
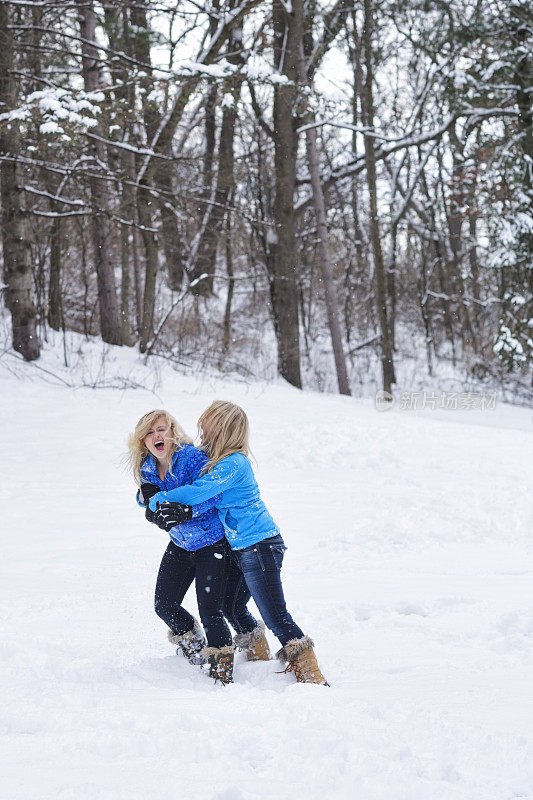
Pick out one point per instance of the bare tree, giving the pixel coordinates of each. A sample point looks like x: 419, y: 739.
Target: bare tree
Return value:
x: 288, y: 32
x: 103, y: 254
x: 16, y: 247
x: 323, y: 239
x: 387, y: 363
x: 203, y: 260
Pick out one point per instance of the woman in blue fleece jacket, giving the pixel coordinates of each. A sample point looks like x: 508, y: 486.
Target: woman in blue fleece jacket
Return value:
x: 163, y: 458
x: 257, y: 545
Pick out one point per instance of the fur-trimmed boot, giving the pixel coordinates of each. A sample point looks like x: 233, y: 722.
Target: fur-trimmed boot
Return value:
x: 302, y: 661
x: 220, y: 660
x: 254, y: 644
x: 190, y: 644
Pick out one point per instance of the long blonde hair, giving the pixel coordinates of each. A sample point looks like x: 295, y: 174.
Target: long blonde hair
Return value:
x: 137, y: 450
x: 225, y: 429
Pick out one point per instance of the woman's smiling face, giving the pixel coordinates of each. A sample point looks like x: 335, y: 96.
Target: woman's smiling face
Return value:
x: 159, y: 440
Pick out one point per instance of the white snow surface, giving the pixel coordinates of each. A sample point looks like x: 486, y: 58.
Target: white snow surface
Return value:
x: 409, y: 563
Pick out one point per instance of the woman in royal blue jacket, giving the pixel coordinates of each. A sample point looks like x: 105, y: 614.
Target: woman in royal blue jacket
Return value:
x: 255, y: 540
x: 162, y: 458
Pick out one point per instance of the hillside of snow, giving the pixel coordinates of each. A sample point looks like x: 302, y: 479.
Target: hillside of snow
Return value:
x: 409, y: 562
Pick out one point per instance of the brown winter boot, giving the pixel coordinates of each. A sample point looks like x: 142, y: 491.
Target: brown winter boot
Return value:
x: 254, y: 644
x: 302, y: 661
x: 190, y: 644
x: 220, y: 662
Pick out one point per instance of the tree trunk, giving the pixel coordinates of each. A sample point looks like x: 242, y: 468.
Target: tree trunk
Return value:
x: 474, y: 268
x: 524, y: 80
x: 370, y: 159
x: 362, y: 248
x: 231, y: 282
x: 523, y: 270
x: 391, y: 283
x: 137, y: 266
x: 426, y: 317
x: 110, y: 324
x: 206, y: 197
x: 118, y: 31
x: 16, y: 247
x: 171, y: 239
x: 323, y: 243
x: 144, y: 202
x: 454, y: 214
x: 214, y: 213
x: 55, y: 316
x: 213, y: 218
x: 288, y: 30
x: 51, y: 182
x: 125, y: 91
x: 439, y: 260
x: 171, y: 235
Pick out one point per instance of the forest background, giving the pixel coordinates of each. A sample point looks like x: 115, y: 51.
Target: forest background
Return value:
x: 316, y: 190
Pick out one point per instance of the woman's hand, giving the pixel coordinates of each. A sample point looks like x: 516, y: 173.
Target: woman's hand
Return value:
x: 168, y: 515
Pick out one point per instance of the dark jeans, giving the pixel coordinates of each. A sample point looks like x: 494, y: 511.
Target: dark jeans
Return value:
x: 210, y: 566
x: 261, y: 566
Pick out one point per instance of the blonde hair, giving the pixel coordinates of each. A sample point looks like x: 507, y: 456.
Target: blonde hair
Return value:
x: 137, y: 450
x: 227, y: 431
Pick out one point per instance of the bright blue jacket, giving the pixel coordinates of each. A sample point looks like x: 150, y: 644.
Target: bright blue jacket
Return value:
x: 205, y: 527
x: 240, y: 508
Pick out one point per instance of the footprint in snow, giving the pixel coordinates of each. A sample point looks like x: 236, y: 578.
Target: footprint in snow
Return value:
x: 409, y: 609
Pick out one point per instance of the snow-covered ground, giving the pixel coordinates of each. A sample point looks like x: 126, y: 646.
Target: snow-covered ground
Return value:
x: 409, y: 563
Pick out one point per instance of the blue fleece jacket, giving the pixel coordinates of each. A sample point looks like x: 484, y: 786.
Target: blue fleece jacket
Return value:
x: 205, y: 527
x: 242, y: 512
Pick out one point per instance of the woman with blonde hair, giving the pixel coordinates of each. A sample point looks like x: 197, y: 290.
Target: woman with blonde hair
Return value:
x: 162, y: 457
x: 255, y: 540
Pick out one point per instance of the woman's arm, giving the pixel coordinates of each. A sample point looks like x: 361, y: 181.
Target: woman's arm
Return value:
x: 203, y: 508
x: 224, y: 475
x: 196, y: 461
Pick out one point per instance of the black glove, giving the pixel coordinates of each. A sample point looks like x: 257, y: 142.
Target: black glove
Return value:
x: 168, y: 515
x: 147, y: 491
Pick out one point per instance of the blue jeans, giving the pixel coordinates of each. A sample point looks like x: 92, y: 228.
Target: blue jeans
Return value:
x: 261, y: 566
x: 236, y: 596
